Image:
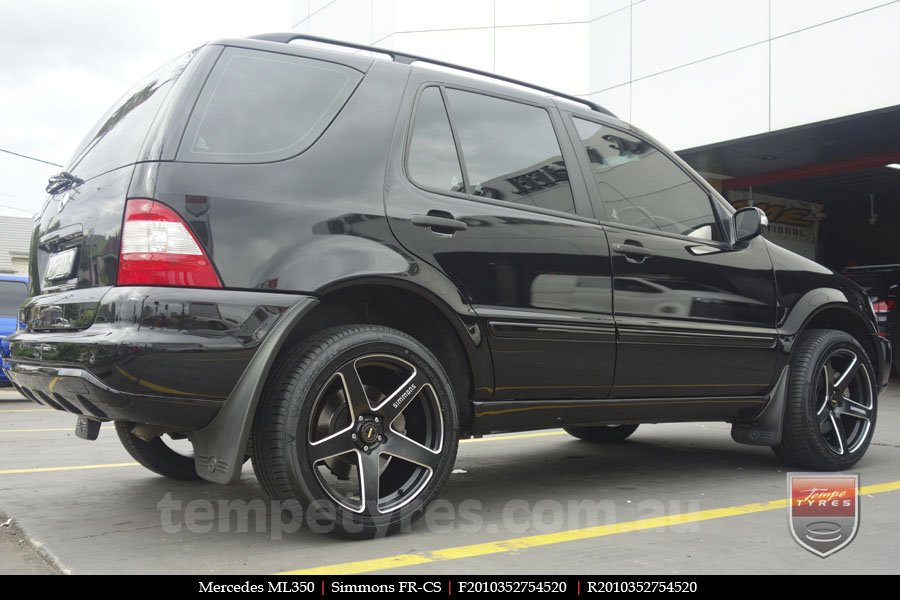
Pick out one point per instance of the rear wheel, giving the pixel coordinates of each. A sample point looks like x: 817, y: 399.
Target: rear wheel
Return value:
x: 602, y: 433
x: 831, y: 405
x: 359, y: 427
x: 162, y: 455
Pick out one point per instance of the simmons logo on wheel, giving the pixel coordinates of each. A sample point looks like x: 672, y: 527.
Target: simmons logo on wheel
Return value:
x: 824, y: 511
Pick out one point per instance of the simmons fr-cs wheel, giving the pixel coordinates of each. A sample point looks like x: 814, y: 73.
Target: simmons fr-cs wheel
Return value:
x: 831, y: 405
x: 358, y: 426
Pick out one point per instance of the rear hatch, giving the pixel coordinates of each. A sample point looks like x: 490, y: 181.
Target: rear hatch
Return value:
x: 77, y: 237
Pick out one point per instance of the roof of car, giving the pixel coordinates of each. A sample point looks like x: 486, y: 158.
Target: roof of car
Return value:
x: 400, y: 57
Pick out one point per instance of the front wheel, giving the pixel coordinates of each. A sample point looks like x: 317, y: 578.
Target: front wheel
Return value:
x: 831, y: 407
x: 358, y: 426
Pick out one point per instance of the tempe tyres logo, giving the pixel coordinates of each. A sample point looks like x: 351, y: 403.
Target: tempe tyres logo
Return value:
x: 824, y: 511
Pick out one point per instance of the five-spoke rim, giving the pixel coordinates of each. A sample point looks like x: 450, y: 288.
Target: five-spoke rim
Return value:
x: 375, y: 434
x: 845, y: 402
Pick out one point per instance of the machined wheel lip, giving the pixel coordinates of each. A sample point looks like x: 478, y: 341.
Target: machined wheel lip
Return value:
x: 384, y: 415
x: 834, y: 402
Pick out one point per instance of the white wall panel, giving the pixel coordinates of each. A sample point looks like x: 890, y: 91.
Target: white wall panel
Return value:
x: 669, y: 33
x: 419, y: 15
x: 610, y: 50
x: 791, y: 15
x: 555, y: 56
x: 604, y: 7
x: 539, y: 12
x: 384, y: 19
x: 315, y: 5
x: 469, y: 47
x: 617, y: 100
x: 348, y: 20
x: 718, y: 99
x: 836, y: 69
x: 299, y: 10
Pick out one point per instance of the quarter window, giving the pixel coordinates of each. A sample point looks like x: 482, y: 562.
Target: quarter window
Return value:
x: 432, y: 161
x: 510, y: 151
x: 262, y: 106
x: 641, y: 186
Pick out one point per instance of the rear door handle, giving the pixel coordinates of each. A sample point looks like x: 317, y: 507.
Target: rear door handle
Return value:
x: 632, y: 250
x: 439, y: 224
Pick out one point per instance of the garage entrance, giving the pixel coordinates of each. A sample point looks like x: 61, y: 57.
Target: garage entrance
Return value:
x: 831, y: 189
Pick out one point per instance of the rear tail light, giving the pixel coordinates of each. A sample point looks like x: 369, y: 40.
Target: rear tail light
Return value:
x: 883, y: 306
x: 158, y: 248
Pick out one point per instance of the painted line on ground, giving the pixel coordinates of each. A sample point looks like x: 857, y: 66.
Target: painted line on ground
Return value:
x: 18, y: 410
x: 70, y: 468
x: 72, y: 429
x: 516, y: 436
x: 548, y: 539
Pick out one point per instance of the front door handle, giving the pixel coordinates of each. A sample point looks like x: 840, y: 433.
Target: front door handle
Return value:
x: 633, y: 250
x: 439, y: 222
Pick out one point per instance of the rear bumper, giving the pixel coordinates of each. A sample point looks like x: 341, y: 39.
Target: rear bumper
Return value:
x: 79, y: 392
x: 883, y: 349
x: 164, y: 356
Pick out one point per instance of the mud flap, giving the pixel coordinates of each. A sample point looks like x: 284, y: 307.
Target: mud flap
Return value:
x: 219, y: 448
x: 765, y: 430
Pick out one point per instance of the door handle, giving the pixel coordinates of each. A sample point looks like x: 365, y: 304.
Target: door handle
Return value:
x: 442, y: 223
x: 632, y: 250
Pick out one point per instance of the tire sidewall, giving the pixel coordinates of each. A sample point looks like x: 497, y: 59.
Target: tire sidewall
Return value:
x: 823, y: 348
x: 322, y: 512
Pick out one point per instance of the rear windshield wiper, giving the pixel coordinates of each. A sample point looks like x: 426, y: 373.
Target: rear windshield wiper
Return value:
x: 61, y: 182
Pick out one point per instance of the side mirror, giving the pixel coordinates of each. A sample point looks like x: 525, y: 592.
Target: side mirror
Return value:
x: 748, y: 223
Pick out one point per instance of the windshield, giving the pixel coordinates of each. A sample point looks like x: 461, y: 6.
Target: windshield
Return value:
x: 12, y: 295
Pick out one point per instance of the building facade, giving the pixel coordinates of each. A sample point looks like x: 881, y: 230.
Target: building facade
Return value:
x: 694, y: 72
x: 791, y: 103
x: 15, y: 241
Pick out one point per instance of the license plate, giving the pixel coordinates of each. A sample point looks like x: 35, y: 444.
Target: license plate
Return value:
x: 60, y: 265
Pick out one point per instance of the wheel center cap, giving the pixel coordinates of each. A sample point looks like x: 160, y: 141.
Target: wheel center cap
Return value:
x: 368, y: 432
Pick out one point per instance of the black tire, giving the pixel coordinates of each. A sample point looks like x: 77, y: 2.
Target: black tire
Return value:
x: 829, y: 418
x: 309, y: 428
x: 156, y: 455
x: 602, y: 434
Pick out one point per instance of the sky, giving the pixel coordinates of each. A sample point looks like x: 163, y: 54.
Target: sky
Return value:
x: 63, y: 63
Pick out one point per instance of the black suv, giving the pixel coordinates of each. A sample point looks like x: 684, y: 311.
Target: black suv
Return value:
x: 338, y: 264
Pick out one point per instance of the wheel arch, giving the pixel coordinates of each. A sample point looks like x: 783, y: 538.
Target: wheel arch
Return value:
x: 452, y: 333
x: 829, y: 309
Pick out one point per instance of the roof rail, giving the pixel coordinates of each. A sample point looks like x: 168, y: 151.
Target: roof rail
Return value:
x: 407, y: 59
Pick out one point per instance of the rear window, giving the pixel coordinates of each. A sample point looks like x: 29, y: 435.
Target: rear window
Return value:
x: 12, y: 295
x: 262, y: 106
x: 116, y: 140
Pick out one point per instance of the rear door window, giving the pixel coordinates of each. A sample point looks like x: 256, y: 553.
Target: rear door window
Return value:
x: 432, y: 162
x: 263, y: 106
x: 510, y: 151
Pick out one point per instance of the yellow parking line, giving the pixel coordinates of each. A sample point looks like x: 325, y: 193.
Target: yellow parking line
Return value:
x: 517, y: 436
x: 547, y: 539
x: 72, y: 468
x: 47, y: 429
x: 16, y: 410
